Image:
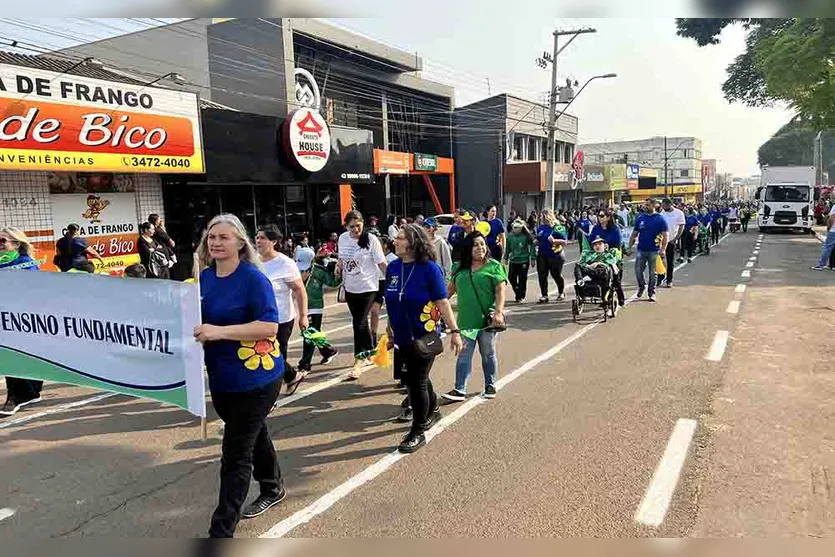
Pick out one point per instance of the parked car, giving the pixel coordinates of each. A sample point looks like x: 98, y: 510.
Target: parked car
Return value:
x: 445, y: 222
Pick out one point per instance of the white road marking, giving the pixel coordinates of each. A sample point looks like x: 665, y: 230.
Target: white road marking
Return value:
x: 6, y: 513
x: 746, y: 274
x: 749, y: 264
x: 740, y: 288
x: 752, y: 258
x: 733, y: 306
x: 61, y: 408
x: 325, y: 502
x: 756, y: 252
x: 717, y: 348
x: 656, y: 502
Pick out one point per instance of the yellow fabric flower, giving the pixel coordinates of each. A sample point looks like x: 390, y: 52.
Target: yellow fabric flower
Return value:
x: 430, y: 317
x: 255, y: 354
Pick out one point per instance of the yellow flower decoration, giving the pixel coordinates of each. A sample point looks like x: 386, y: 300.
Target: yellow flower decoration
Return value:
x: 430, y: 317
x: 258, y: 354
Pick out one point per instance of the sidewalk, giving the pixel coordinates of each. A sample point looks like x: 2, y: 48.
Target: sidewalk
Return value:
x: 769, y: 467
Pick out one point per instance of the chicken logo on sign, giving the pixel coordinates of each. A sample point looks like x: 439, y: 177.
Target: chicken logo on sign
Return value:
x: 306, y: 133
x: 577, y: 175
x: 95, y: 206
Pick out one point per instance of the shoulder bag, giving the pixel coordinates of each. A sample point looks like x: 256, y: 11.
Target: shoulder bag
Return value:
x: 429, y: 345
x: 489, y: 316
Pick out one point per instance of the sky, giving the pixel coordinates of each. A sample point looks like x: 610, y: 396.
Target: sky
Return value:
x: 666, y: 85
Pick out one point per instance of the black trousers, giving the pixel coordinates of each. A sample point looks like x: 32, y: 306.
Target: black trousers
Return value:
x: 715, y: 227
x: 670, y: 260
x: 552, y: 266
x: 688, y: 243
x: 724, y: 224
x: 744, y: 222
x: 308, y: 348
x: 247, y: 451
x: 283, y: 337
x: 23, y: 390
x: 518, y: 275
x: 421, y: 393
x: 360, y: 306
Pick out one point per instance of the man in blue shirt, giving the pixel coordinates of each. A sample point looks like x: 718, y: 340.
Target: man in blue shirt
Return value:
x: 649, y: 226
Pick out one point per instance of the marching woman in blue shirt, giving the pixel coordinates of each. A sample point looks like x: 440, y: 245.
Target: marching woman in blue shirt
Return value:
x: 551, y: 239
x: 609, y: 230
x: 240, y: 321
x: 16, y: 255
x: 416, y: 299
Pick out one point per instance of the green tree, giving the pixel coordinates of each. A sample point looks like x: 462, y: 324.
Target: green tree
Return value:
x: 788, y: 60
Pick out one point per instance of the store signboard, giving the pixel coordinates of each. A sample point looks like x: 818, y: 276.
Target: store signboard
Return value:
x: 426, y: 163
x: 633, y: 172
x: 107, y: 221
x: 391, y: 162
x: 61, y: 122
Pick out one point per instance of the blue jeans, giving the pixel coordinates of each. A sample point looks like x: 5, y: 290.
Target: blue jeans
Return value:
x: 489, y: 361
x: 642, y: 259
x: 826, y: 251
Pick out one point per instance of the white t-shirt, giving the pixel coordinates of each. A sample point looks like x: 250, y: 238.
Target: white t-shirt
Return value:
x: 832, y: 214
x: 282, y: 271
x: 392, y: 231
x: 733, y: 213
x: 360, y: 271
x: 673, y: 219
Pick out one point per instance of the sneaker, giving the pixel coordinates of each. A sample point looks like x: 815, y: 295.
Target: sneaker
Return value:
x: 640, y: 291
x: 489, y: 392
x: 456, y: 396
x: 543, y: 300
x: 262, y: 504
x: 329, y: 358
x: 689, y: 259
x: 561, y: 297
x: 9, y: 408
x: 652, y: 297
x: 405, y: 416
x: 820, y: 268
x: 668, y: 284
x: 411, y: 443
x: 301, y: 366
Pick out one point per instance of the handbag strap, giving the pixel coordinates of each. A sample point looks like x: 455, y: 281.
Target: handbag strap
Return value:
x: 477, y: 297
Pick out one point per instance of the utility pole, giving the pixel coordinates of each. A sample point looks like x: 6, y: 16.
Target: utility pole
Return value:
x: 666, y: 164
x: 552, y: 111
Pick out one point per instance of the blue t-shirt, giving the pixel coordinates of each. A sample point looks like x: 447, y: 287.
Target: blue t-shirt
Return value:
x: 649, y: 226
x: 455, y: 234
x: 611, y: 235
x: 73, y: 254
x: 546, y: 231
x: 715, y: 216
x: 22, y: 263
x: 584, y: 225
x: 414, y: 314
x: 496, y: 228
x: 244, y: 296
x: 705, y: 219
x: 690, y: 221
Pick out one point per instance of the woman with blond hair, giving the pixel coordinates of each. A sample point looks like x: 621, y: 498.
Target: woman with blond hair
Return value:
x: 245, y: 367
x: 16, y: 255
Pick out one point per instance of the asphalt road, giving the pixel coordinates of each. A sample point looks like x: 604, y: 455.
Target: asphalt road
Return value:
x: 648, y: 425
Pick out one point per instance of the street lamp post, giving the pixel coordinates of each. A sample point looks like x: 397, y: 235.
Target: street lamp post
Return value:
x: 552, y: 128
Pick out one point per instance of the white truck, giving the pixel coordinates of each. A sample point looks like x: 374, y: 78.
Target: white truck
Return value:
x: 786, y: 198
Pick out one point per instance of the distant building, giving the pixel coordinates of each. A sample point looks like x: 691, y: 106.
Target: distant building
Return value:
x: 500, y: 149
x: 677, y: 160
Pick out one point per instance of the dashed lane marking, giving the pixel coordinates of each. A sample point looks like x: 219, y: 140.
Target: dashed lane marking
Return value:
x: 733, y: 306
x: 656, y: 502
x: 746, y: 274
x: 740, y: 288
x: 717, y: 347
x: 6, y: 513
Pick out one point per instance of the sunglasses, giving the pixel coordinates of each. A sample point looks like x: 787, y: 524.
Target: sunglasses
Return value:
x: 4, y: 241
x: 601, y: 215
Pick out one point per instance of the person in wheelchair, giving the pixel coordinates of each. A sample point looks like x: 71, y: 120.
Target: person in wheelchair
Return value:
x: 599, y: 267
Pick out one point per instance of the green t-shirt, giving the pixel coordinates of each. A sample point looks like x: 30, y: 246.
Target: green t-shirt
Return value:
x: 520, y: 248
x: 471, y: 314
